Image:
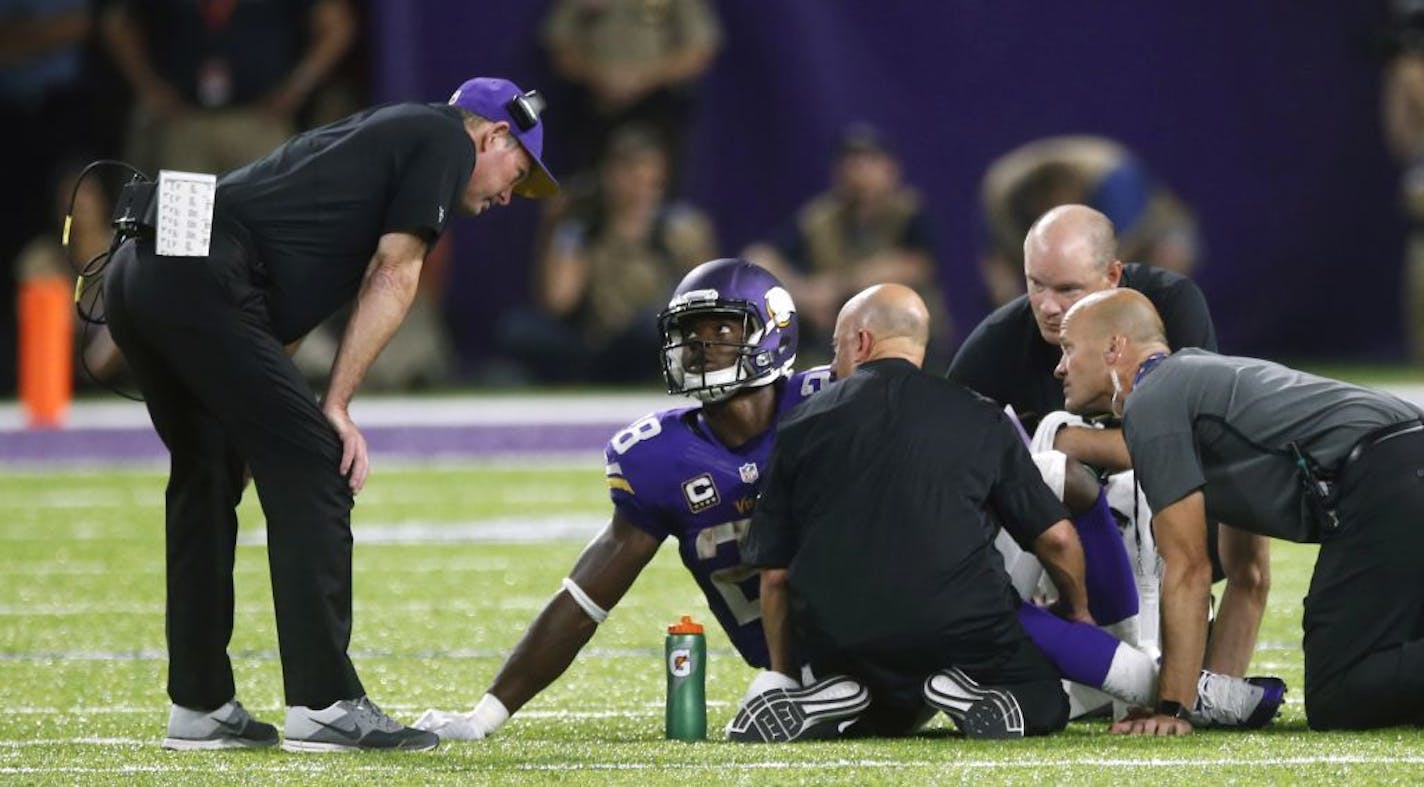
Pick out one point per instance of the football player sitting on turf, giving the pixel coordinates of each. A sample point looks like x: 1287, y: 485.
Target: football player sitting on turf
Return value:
x: 693, y: 473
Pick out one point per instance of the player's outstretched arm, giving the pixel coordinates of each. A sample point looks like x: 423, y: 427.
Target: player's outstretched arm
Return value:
x: 598, y: 581
x: 600, y: 577
x: 603, y: 573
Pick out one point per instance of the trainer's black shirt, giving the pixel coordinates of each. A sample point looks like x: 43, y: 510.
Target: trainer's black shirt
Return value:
x: 1007, y: 360
x: 877, y: 500
x: 316, y: 207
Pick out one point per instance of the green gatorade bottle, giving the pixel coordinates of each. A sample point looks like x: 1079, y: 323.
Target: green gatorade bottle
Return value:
x: 686, y: 658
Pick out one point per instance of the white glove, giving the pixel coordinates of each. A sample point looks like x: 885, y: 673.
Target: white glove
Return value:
x: 766, y: 680
x: 451, y: 726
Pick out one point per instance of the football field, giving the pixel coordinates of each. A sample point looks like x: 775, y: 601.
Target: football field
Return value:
x: 451, y: 563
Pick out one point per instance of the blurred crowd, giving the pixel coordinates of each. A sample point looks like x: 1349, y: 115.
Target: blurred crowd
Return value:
x: 207, y: 85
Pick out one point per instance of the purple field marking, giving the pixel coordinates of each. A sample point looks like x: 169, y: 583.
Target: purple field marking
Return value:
x: 73, y: 446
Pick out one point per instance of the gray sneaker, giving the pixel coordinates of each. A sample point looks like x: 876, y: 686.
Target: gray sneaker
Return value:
x: 1248, y: 703
x: 228, y: 727
x: 351, y: 725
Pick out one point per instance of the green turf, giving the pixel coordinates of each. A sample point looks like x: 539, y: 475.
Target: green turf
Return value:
x: 82, y: 667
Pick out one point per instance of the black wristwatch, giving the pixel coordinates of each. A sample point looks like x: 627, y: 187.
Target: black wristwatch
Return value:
x: 1174, y: 709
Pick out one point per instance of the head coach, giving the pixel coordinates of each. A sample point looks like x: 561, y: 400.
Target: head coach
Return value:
x: 1278, y: 453
x: 341, y: 214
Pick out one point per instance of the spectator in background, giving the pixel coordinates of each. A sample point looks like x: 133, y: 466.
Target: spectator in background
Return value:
x: 1403, y: 105
x: 611, y: 263
x: 1153, y: 226
x: 633, y: 61
x: 868, y: 228
x: 42, y: 109
x: 219, y: 82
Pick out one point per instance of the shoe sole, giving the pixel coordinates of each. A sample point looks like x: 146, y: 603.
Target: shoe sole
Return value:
x: 784, y: 715
x: 214, y: 744
x: 321, y: 747
x: 979, y: 712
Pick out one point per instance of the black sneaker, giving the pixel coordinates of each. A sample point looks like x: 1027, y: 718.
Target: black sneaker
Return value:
x: 228, y: 727
x: 351, y: 725
x: 817, y: 711
x: 979, y: 712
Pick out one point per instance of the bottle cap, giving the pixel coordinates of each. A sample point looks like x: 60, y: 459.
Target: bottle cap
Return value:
x: 685, y: 626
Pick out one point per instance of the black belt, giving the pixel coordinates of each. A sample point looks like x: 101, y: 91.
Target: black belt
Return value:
x: 1374, y: 438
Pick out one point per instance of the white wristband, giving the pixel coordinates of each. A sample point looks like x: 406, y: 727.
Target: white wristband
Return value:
x: 597, y: 613
x: 490, y: 714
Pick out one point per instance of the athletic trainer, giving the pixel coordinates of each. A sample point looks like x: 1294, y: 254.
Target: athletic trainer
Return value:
x: 1278, y: 453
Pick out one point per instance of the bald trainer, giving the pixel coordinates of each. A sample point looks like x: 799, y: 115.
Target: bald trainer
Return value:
x: 874, y: 535
x: 1278, y: 453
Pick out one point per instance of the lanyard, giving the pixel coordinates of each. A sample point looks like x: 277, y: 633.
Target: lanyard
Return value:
x: 1147, y: 366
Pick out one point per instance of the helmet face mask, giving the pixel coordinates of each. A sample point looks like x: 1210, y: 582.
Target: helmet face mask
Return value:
x: 724, y: 295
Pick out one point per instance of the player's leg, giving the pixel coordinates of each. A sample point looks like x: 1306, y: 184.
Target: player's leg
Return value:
x: 1111, y: 583
x: 1364, y: 614
x: 1112, y: 587
x: 1096, y: 664
x: 1088, y: 655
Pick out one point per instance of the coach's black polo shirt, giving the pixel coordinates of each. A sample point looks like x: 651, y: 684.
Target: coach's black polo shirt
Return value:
x: 315, y: 208
x: 877, y: 500
x: 1007, y: 360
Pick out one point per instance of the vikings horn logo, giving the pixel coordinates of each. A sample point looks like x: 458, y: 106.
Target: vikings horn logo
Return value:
x: 779, y: 306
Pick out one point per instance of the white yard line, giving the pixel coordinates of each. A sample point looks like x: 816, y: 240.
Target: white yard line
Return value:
x: 950, y: 763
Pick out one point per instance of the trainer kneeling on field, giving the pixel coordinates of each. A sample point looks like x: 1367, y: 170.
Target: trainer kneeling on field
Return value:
x: 875, y: 545
x: 1284, y: 454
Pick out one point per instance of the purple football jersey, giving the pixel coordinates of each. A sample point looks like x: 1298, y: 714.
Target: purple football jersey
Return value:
x: 669, y: 476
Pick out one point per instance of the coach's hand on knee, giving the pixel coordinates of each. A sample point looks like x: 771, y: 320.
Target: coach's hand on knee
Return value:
x: 355, y: 464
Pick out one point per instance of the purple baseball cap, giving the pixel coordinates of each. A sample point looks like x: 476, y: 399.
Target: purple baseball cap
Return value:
x: 499, y: 99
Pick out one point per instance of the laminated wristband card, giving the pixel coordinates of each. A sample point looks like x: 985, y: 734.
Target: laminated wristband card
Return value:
x: 185, y: 213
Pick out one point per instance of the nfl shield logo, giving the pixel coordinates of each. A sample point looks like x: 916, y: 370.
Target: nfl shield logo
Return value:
x: 749, y: 473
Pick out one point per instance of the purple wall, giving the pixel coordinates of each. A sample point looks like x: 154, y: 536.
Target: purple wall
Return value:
x: 1262, y: 115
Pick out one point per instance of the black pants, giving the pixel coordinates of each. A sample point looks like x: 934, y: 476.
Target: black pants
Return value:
x: 1364, y: 614
x: 895, y: 675
x: 223, y: 395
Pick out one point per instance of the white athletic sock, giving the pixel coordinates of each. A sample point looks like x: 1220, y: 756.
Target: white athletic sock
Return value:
x: 1127, y: 630
x: 490, y: 714
x: 1132, y: 677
